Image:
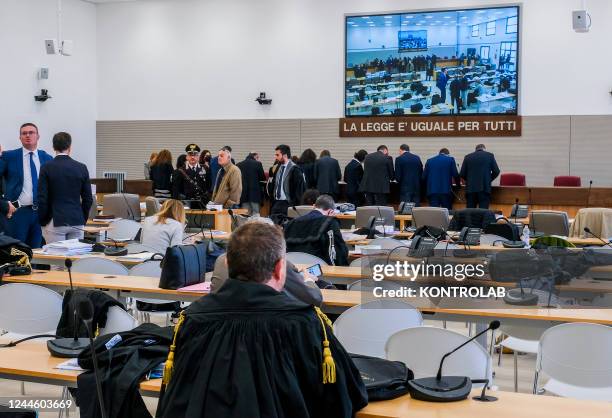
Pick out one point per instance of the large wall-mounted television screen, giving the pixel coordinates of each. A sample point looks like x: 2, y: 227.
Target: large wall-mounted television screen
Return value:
x: 433, y: 63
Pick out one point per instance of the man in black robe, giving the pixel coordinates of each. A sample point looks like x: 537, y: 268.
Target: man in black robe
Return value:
x: 251, y: 351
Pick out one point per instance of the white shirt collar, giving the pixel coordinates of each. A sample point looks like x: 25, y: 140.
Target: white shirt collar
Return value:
x: 27, y: 152
x: 193, y: 167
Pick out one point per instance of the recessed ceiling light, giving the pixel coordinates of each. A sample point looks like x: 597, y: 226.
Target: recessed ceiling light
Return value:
x: 355, y: 26
x: 481, y: 11
x: 418, y: 24
x: 429, y: 17
x: 365, y: 17
x: 410, y: 17
x: 388, y: 17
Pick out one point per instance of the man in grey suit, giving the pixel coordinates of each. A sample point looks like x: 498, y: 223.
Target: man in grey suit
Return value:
x: 377, y: 174
x: 298, y: 285
x: 327, y: 174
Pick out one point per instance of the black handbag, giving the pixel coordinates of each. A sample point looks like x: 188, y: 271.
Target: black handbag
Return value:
x: 183, y: 265
x: 383, y: 379
x: 506, y: 230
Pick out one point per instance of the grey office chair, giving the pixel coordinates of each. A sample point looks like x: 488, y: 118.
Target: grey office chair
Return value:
x: 122, y: 205
x: 430, y: 216
x: 364, y: 212
x: 153, y: 205
x: 549, y: 222
x: 299, y: 211
x: 93, y: 211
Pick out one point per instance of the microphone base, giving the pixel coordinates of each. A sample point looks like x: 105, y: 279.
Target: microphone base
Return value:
x: 67, y: 347
x: 485, y: 398
x: 514, y: 297
x: 447, y: 389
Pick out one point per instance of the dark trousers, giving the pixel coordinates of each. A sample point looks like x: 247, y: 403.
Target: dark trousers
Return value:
x: 25, y: 226
x: 478, y: 200
x: 355, y: 198
x: 280, y: 207
x: 410, y: 197
x: 456, y: 101
x: 376, y: 199
x: 441, y: 200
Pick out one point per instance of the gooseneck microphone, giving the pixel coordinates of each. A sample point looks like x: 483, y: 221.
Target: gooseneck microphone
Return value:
x: 589, y: 194
x: 449, y: 388
x: 588, y: 231
x: 492, y: 326
x: 69, y: 347
x: 86, y: 313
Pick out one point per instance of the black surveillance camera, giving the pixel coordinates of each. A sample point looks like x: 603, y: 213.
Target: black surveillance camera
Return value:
x: 262, y: 99
x: 43, y: 96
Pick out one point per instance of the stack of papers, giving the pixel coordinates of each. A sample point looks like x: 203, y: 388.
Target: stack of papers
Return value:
x: 68, y: 247
x: 136, y: 257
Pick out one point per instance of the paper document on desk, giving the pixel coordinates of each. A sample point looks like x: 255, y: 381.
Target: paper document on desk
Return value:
x: 136, y: 257
x: 72, y: 364
x: 349, y: 236
x: 67, y: 247
x: 203, y: 287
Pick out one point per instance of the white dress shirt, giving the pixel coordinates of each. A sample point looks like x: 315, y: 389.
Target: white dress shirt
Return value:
x: 27, y: 196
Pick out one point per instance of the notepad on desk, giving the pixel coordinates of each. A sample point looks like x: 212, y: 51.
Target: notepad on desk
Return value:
x: 203, y: 287
x: 136, y: 257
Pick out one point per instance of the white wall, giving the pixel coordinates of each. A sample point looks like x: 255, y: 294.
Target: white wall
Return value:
x: 24, y: 25
x: 196, y: 59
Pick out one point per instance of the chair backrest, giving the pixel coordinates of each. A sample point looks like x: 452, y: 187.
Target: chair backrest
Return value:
x: 99, y: 265
x: 363, y: 214
x: 577, y: 354
x: 567, y: 181
x: 512, y: 179
x: 122, y: 205
x: 364, y: 329
x: 29, y: 309
x: 93, y: 211
x: 123, y: 229
x: 549, y: 222
x: 147, y: 269
x: 598, y: 220
x: 305, y: 258
x: 356, y: 262
x: 118, y: 320
x: 298, y: 211
x: 421, y: 349
x: 471, y: 218
x: 152, y: 205
x: 367, y: 285
x: 430, y: 216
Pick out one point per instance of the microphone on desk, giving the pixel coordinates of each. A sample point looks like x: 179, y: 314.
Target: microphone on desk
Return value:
x: 450, y: 388
x: 86, y: 314
x: 588, y: 231
x: 589, y: 193
x: 69, y: 347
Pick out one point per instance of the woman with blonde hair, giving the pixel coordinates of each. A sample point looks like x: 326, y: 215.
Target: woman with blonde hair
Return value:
x: 165, y: 228
x: 161, y: 174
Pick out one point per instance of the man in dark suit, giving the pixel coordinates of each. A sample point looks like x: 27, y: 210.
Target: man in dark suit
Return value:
x: 353, y: 173
x: 478, y: 170
x: 6, y: 212
x: 20, y: 170
x: 408, y: 173
x: 438, y: 175
x: 377, y: 173
x: 252, y: 175
x: 327, y: 174
x: 64, y: 193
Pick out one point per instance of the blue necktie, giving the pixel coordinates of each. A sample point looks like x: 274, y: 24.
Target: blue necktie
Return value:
x: 279, y: 183
x: 34, y: 174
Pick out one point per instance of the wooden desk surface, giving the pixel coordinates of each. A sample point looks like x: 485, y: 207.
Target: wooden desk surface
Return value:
x: 41, y: 257
x: 32, y: 360
x: 215, y: 212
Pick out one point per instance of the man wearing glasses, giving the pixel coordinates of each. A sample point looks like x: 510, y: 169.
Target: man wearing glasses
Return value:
x: 19, y: 169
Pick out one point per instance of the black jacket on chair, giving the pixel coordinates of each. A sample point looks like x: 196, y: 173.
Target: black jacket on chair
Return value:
x: 471, y: 218
x: 64, y: 192
x: 327, y: 175
x: 377, y: 173
x: 252, y: 175
x: 478, y: 170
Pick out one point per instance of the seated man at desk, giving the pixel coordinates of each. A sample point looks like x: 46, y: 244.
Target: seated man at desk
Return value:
x: 318, y: 233
x: 249, y: 350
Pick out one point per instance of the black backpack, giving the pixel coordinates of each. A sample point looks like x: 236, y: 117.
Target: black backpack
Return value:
x: 506, y: 230
x: 416, y: 108
x: 383, y: 379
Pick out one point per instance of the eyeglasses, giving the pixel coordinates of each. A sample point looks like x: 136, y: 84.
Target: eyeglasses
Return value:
x: 28, y: 133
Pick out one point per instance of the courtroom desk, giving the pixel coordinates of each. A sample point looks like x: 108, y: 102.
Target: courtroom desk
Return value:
x: 334, y: 301
x: 59, y: 260
x: 31, y: 362
x: 139, y: 187
x: 222, y: 219
x: 402, y: 219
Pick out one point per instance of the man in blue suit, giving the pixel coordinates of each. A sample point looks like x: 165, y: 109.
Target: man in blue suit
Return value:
x: 20, y: 169
x: 478, y: 170
x: 438, y: 175
x: 408, y: 173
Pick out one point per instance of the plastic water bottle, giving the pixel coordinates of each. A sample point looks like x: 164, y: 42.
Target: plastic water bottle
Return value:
x: 525, y: 236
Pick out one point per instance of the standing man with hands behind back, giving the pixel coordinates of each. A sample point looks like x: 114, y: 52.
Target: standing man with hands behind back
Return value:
x: 64, y: 193
x: 478, y: 170
x: 20, y: 170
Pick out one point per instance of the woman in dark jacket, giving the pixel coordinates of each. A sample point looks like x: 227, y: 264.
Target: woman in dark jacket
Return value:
x: 161, y: 174
x: 306, y: 163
